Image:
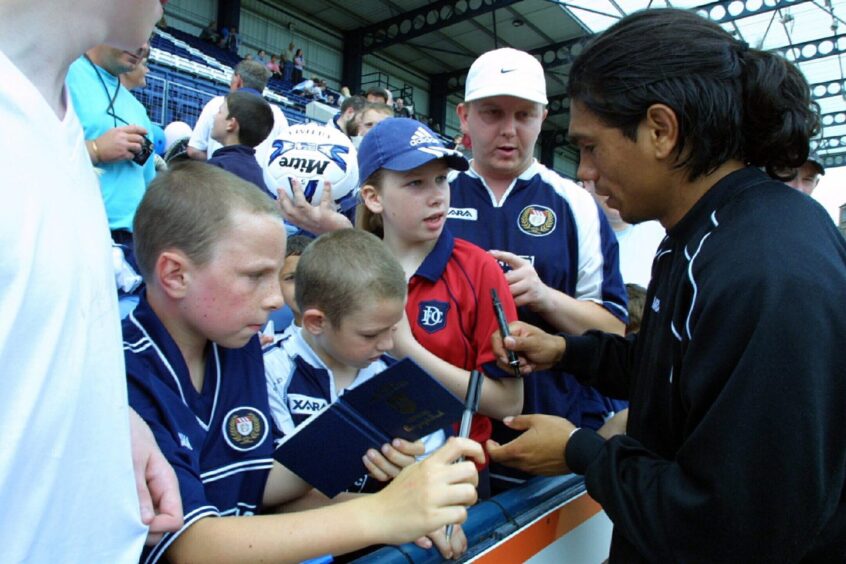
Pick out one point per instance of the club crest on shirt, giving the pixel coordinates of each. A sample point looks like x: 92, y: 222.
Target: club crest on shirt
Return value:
x: 536, y: 221
x: 244, y: 428
x: 432, y: 315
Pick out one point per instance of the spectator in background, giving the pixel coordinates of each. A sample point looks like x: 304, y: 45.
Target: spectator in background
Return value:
x: 242, y: 123
x: 299, y: 66
x: 231, y: 39
x: 316, y: 91
x: 400, y: 110
x: 116, y: 126
x: 377, y: 94
x: 346, y: 116
x: 461, y: 143
x: 370, y: 115
x: 273, y: 66
x: 249, y: 76
x: 287, y: 66
x: 261, y: 56
x: 807, y: 177
x: 137, y: 77
x: 304, y: 87
x: 345, y: 93
x: 311, y: 88
x: 210, y: 33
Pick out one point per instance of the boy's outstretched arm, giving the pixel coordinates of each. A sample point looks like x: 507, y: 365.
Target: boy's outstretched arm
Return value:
x: 501, y: 397
x: 424, y: 497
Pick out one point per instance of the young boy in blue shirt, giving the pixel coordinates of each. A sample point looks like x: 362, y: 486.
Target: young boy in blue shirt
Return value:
x: 210, y: 248
x: 348, y: 316
x: 243, y: 122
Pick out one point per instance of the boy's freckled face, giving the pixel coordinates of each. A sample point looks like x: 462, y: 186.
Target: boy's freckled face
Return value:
x: 363, y: 335
x: 230, y: 297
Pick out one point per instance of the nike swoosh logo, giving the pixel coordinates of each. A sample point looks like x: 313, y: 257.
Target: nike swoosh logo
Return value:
x: 503, y: 71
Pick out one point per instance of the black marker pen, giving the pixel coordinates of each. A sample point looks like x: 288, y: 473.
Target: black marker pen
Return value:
x: 471, y: 406
x: 513, y: 361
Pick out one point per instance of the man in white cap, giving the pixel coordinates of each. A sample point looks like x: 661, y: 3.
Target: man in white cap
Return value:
x: 559, y: 253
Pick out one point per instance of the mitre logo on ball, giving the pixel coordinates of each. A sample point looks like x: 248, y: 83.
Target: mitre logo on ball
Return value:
x: 313, y: 153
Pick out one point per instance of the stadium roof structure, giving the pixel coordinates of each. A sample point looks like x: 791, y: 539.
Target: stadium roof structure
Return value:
x: 441, y: 38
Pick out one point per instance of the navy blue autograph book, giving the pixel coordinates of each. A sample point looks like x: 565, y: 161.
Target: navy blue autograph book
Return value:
x: 402, y: 401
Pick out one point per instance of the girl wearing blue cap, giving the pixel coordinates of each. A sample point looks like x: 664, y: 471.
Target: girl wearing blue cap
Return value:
x: 450, y: 315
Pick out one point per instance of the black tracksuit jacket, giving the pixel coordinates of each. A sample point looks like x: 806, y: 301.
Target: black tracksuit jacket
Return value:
x: 736, y: 440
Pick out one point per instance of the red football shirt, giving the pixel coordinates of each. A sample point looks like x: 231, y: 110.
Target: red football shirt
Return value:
x: 451, y: 311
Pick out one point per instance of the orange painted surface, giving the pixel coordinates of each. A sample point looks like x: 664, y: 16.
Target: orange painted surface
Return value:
x: 543, y: 532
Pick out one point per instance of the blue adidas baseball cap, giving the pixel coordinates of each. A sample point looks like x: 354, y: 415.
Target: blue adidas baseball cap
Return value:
x: 402, y: 144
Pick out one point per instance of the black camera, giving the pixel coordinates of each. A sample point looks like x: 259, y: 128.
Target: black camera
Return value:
x: 141, y: 156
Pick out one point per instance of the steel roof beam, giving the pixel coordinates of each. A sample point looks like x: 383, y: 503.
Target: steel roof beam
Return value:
x: 426, y: 19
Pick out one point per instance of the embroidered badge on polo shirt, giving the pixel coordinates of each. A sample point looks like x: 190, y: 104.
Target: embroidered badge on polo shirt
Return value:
x: 244, y: 428
x: 432, y: 315
x: 536, y: 221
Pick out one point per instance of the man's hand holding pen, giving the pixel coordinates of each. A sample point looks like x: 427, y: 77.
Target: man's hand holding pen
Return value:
x: 536, y: 349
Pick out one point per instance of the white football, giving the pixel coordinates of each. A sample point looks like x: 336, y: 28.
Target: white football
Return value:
x: 312, y: 153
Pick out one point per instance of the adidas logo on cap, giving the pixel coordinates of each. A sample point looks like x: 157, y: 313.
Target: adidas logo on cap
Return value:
x: 422, y: 137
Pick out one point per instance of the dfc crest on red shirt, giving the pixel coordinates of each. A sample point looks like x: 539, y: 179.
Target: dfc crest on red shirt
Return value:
x: 431, y: 315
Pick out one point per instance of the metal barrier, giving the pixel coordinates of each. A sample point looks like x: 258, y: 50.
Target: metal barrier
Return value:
x: 167, y: 101
x: 518, y: 524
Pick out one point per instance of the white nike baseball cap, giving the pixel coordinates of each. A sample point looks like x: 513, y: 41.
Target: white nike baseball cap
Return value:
x: 506, y: 72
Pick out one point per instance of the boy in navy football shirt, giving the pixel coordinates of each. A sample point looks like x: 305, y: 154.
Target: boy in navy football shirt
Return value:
x: 243, y: 122
x: 210, y: 248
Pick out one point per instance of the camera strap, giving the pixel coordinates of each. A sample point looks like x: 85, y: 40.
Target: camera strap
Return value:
x: 110, y: 111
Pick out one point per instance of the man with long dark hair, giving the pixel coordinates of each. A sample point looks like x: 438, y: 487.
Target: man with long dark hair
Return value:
x: 734, y: 449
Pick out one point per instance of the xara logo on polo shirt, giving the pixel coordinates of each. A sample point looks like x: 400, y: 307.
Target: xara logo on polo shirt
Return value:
x: 431, y: 315
x: 468, y: 214
x: 244, y: 428
x: 536, y: 220
x: 300, y: 404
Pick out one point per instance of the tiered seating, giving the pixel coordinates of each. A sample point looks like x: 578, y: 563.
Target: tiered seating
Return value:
x: 185, y: 74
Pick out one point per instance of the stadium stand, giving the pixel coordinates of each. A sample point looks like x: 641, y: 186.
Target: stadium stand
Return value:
x: 186, y: 72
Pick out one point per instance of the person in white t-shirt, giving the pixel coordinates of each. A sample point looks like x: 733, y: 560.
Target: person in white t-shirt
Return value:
x: 81, y: 478
x: 638, y: 242
x: 251, y: 76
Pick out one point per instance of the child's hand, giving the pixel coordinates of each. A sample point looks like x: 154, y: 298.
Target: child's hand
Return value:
x: 452, y: 548
x: 319, y: 217
x: 428, y: 494
x: 386, y: 465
